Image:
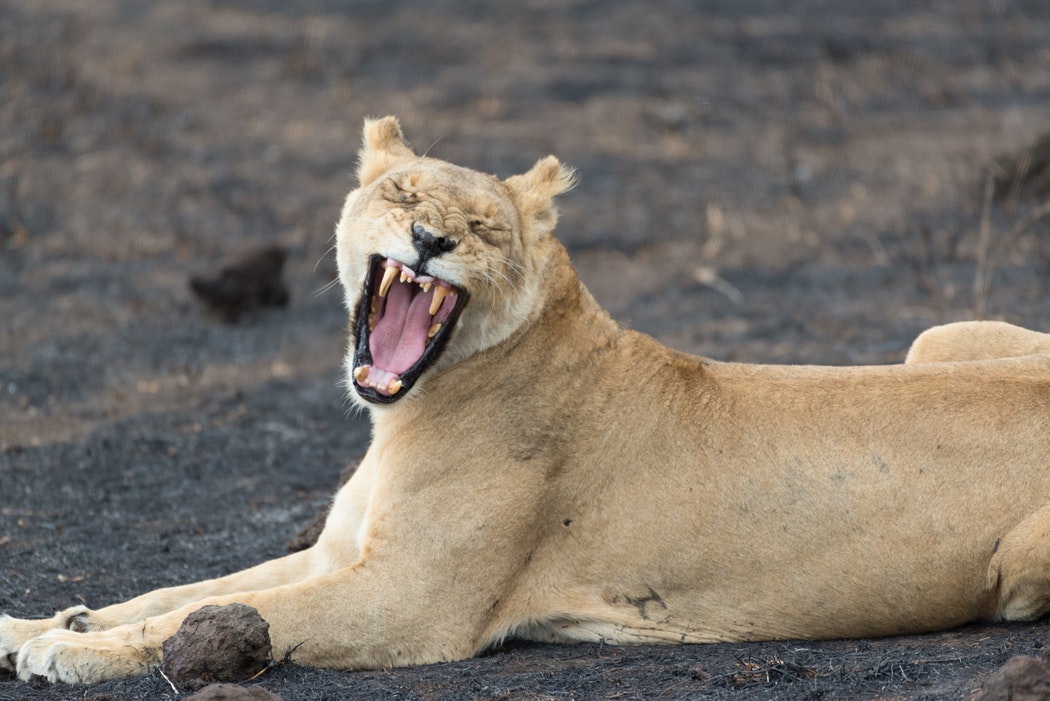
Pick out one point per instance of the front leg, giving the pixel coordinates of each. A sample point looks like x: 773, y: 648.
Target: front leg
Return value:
x: 355, y: 618
x: 16, y: 634
x: 337, y: 549
x: 412, y: 599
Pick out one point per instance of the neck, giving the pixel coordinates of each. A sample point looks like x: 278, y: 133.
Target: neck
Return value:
x: 569, y: 332
x: 557, y: 388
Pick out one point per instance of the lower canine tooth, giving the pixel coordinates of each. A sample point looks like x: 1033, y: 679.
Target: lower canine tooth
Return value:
x: 433, y: 330
x: 394, y: 387
x: 361, y: 373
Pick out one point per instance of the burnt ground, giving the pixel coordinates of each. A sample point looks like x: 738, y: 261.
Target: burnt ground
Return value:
x: 777, y: 182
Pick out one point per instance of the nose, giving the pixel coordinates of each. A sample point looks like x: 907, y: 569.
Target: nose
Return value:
x: 427, y: 244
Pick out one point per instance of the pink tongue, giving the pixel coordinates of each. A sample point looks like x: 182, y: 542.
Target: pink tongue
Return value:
x: 400, y: 335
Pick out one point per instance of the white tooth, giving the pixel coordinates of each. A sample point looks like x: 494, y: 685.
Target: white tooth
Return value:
x: 388, y: 279
x: 439, y: 296
x: 394, y: 387
x: 361, y: 373
x: 426, y: 286
x: 404, y: 276
x: 433, y: 331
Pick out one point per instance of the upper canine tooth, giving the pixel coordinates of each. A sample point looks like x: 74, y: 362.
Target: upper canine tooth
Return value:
x: 439, y: 296
x: 388, y: 279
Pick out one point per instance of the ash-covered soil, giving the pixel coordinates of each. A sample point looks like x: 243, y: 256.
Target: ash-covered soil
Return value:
x: 780, y: 182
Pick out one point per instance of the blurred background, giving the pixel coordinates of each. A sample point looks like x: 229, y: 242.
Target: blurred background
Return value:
x: 809, y: 182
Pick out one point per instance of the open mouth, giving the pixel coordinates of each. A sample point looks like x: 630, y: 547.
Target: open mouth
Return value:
x: 403, y: 322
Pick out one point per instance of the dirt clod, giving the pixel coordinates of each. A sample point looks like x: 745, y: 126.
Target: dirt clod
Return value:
x: 233, y: 692
x: 1022, y: 678
x: 217, y: 643
x: 254, y: 280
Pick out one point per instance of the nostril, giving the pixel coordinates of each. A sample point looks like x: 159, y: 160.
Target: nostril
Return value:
x: 425, y: 241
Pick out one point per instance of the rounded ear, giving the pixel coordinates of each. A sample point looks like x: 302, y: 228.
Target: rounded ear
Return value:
x: 535, y: 191
x: 382, y: 146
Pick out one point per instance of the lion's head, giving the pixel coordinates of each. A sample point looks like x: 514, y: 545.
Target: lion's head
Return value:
x: 437, y: 262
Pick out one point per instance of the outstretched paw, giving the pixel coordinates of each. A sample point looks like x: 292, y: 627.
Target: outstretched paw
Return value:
x: 16, y: 632
x: 82, y: 658
x: 10, y: 642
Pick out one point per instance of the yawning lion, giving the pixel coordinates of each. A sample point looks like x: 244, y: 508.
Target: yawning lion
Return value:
x: 537, y: 471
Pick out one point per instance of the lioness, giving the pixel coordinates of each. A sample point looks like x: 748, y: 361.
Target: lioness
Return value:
x: 538, y: 471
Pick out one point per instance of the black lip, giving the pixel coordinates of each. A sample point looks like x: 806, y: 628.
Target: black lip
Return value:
x: 363, y: 356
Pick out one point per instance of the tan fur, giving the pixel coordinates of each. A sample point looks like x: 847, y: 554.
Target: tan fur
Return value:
x: 976, y: 340
x: 556, y: 477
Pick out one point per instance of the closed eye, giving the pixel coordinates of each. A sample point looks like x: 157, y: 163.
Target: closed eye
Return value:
x: 490, y: 232
x: 481, y: 226
x: 397, y: 194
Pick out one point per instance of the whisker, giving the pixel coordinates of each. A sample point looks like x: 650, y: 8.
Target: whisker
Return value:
x: 516, y: 268
x: 326, y: 287
x: 433, y: 144
x: 323, y: 256
x: 491, y: 276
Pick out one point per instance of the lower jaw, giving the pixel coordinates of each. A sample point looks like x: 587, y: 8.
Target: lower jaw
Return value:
x: 391, y: 391
x: 386, y: 383
x: 374, y: 396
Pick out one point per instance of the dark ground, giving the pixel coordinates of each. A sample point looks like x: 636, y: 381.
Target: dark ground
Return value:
x: 761, y: 181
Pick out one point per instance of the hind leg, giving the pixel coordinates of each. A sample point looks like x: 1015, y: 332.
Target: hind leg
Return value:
x: 976, y: 340
x: 1019, y: 572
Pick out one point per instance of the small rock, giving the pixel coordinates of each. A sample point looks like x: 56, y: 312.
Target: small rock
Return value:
x: 252, y: 281
x: 217, y: 644
x: 233, y: 692
x: 1022, y: 678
